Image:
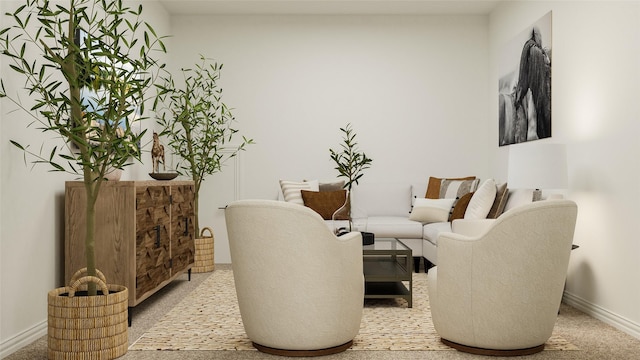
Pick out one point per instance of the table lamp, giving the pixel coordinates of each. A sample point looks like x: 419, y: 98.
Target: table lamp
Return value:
x: 538, y: 166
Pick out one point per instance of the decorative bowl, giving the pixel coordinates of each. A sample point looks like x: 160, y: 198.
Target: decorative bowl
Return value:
x: 163, y: 176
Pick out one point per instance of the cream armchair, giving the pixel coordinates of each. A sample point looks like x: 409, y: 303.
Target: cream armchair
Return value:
x: 498, y: 293
x: 300, y: 288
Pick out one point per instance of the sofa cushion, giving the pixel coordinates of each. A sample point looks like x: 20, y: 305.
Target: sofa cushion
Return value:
x: 431, y: 231
x: 291, y: 189
x: 434, y: 185
x: 394, y: 226
x: 431, y: 210
x: 481, y: 201
x: 502, y: 194
x: 326, y: 203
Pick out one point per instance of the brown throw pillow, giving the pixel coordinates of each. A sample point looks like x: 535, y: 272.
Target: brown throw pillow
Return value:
x: 332, y: 186
x: 502, y: 193
x: 460, y: 207
x: 433, y: 187
x: 326, y: 203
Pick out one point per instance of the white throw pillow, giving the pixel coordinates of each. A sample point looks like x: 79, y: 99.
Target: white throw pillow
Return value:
x: 291, y: 189
x: 481, y: 201
x: 431, y: 210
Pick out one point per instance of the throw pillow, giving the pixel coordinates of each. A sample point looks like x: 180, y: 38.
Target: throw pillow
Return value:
x: 457, y: 188
x: 481, y: 201
x: 326, y: 203
x: 332, y: 186
x: 502, y: 193
x: 460, y: 207
x: 431, y: 210
x: 433, y: 187
x: 291, y: 189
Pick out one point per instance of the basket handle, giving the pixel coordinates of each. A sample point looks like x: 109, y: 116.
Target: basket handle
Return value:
x: 207, y: 229
x: 83, y: 272
x: 87, y: 279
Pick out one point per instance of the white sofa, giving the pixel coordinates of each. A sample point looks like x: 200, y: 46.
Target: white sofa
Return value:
x: 384, y: 209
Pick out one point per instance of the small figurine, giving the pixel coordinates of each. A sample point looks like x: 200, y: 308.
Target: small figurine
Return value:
x: 157, y: 153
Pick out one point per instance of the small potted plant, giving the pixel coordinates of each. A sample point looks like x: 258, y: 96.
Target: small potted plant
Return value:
x: 199, y: 129
x: 86, y: 67
x: 350, y: 163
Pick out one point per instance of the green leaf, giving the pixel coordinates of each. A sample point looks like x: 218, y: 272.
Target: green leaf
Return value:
x: 17, y: 145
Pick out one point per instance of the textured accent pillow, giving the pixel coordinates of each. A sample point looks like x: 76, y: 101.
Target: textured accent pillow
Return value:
x: 460, y: 207
x: 326, y: 203
x: 431, y: 210
x: 502, y: 193
x: 433, y: 187
x: 457, y: 188
x: 291, y: 189
x: 481, y: 201
x: 331, y: 186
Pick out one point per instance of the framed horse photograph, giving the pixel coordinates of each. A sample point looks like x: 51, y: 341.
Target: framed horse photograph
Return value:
x: 524, y: 85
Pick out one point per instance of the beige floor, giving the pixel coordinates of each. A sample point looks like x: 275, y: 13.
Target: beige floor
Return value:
x: 595, y: 339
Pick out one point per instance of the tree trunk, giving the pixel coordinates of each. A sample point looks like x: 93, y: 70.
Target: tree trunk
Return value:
x: 89, y: 242
x: 197, y: 214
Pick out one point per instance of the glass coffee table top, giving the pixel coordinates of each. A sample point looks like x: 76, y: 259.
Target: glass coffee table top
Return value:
x: 383, y: 245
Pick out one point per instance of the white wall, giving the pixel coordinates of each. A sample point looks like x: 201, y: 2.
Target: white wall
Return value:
x: 32, y: 215
x: 413, y: 87
x: 421, y: 93
x: 596, y: 77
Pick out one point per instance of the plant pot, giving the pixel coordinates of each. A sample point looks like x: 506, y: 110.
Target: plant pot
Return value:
x: 203, y: 257
x: 87, y: 327
x: 113, y: 174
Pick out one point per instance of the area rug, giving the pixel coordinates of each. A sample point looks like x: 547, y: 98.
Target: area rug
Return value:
x: 209, y: 319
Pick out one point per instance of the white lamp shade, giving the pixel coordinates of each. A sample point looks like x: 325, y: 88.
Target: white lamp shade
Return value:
x: 538, y: 166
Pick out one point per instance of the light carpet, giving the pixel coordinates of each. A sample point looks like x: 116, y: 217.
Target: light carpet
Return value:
x: 209, y: 319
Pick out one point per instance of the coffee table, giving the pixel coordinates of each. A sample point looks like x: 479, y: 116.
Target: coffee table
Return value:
x: 387, y: 269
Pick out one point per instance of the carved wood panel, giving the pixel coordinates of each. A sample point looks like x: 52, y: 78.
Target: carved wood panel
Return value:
x: 153, y: 253
x: 183, y: 227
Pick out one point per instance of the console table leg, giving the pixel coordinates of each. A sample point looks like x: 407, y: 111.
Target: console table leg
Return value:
x: 129, y: 315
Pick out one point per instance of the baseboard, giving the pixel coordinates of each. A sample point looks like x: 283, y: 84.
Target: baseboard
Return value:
x: 23, y: 339
x: 602, y: 314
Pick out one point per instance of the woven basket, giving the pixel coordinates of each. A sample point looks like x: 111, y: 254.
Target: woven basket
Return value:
x: 203, y: 258
x: 88, y: 327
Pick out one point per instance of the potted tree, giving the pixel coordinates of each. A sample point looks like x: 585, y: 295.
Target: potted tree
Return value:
x: 86, y: 67
x: 199, y: 127
x: 350, y: 163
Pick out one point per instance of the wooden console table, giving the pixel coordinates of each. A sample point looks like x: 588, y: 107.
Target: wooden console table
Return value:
x: 144, y: 233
